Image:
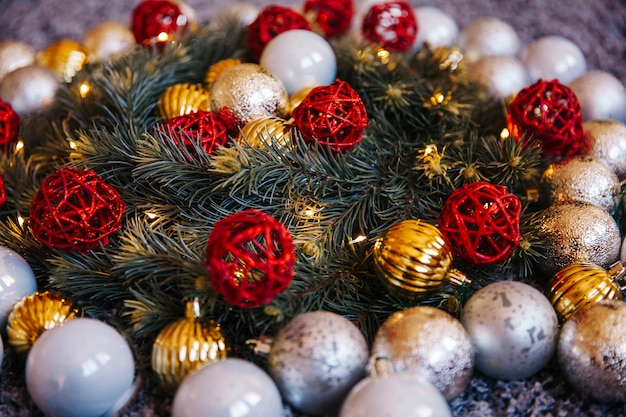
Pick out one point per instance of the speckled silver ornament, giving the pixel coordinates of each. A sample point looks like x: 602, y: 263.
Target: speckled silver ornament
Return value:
x: 316, y: 359
x: 30, y: 88
x: 430, y: 341
x: 503, y: 75
x: 592, y: 351
x: 577, y: 233
x: 14, y: 55
x: 601, y: 95
x: 584, y: 179
x: 248, y: 92
x: 513, y: 327
x: 488, y: 36
x: 553, y: 57
x: 606, y: 139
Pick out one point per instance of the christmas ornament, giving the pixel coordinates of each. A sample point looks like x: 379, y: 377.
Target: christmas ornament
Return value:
x: 436, y: 28
x: 238, y: 12
x: 299, y: 59
x: 332, y: 17
x: 592, y: 351
x: 216, y: 69
x: 272, y: 21
x: 488, y: 36
x: 238, y: 388
x: 606, y: 139
x: 9, y: 123
x: 503, y: 75
x: 332, y: 116
x: 513, y: 327
x: 14, y: 55
x: 3, y: 191
x: 481, y: 222
x: 157, y: 21
x: 577, y: 233
x: 75, y: 210
x: 395, y: 395
x: 549, y: 112
x: 430, y: 342
x: 250, y: 258
x: 601, y: 95
x: 266, y: 130
x: 552, y: 57
x: 29, y: 89
x: 65, y: 57
x: 414, y: 260
x: 390, y: 24
x: 247, y: 92
x: 298, y: 97
x: 584, y: 179
x: 107, y: 40
x: 202, y: 126
x: 316, y: 359
x: 18, y: 281
x: 579, y: 286
x: 36, y: 313
x: 83, y: 368
x: 183, y: 98
x: 187, y: 345
x: 1, y: 352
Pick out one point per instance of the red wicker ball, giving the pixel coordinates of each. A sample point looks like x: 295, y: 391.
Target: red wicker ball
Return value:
x: 332, y: 17
x: 271, y: 22
x: 481, y: 222
x: 391, y: 24
x: 550, y: 112
x: 75, y: 210
x: 150, y: 18
x: 204, y: 125
x: 9, y: 123
x: 332, y: 115
x: 250, y: 258
x: 3, y: 191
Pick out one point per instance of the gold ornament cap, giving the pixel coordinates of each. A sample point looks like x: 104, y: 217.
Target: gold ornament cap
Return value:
x: 183, y: 98
x: 65, y: 57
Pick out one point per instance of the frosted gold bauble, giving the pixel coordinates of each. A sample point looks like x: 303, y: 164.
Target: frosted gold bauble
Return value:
x: 183, y: 98
x: 14, y: 55
x: 108, y: 39
x: 65, y: 57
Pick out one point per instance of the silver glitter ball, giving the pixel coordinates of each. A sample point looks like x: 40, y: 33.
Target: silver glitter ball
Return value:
x: 606, y: 139
x: 584, y: 179
x: 431, y: 342
x: 29, y: 89
x: 592, y: 351
x: 488, y: 36
x: 578, y: 233
x: 247, y: 92
x: 316, y: 359
x: 503, y: 75
x: 513, y: 327
x: 601, y: 95
x: 14, y: 55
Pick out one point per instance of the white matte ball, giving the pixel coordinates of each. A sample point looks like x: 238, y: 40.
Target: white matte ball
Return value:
x: 503, y: 75
x: 300, y: 59
x: 230, y: 387
x: 601, y: 96
x: 108, y: 39
x: 14, y: 55
x: 436, y: 28
x: 488, y: 36
x: 84, y: 368
x: 29, y: 89
x: 17, y: 281
x: 553, y: 57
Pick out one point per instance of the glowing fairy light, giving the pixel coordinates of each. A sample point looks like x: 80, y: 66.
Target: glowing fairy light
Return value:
x: 84, y: 90
x: 504, y: 134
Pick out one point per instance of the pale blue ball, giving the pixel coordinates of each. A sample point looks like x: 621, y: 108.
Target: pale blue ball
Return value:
x: 84, y: 368
x: 300, y: 59
x: 17, y: 280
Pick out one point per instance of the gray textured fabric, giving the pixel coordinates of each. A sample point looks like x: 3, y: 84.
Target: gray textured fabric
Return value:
x: 598, y: 27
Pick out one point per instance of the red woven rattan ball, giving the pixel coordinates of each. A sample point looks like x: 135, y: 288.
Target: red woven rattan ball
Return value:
x: 75, y: 210
x: 332, y: 115
x: 271, y: 22
x: 151, y: 18
x: 550, y: 112
x: 481, y: 222
x: 333, y: 17
x: 250, y: 258
x: 203, y: 125
x: 9, y: 123
x: 391, y: 24
x: 3, y: 191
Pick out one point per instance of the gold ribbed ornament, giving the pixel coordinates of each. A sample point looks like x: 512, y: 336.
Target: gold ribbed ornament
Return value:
x: 265, y: 130
x: 577, y: 287
x: 65, y: 57
x: 34, y: 314
x: 414, y: 260
x: 183, y: 98
x: 297, y: 97
x: 216, y: 69
x: 186, y: 345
